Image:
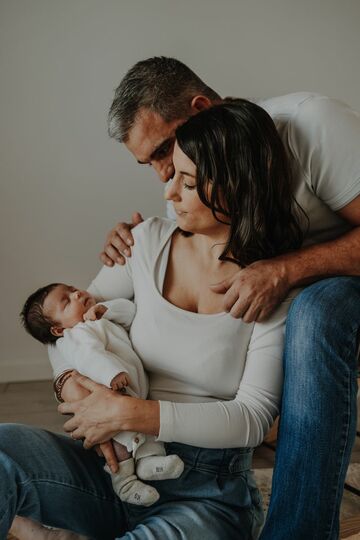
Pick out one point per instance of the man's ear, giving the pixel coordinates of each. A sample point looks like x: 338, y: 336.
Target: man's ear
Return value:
x: 57, y: 331
x: 199, y: 103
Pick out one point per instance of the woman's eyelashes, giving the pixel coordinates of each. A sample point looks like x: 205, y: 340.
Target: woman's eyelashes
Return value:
x: 186, y: 185
x: 189, y: 186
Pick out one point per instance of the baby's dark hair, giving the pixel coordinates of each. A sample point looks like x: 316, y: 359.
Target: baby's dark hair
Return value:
x: 33, y: 318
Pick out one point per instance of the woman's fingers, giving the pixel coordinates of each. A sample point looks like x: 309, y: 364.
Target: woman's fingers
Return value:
x: 67, y: 407
x: 70, y: 426
x: 108, y: 452
x: 85, y: 382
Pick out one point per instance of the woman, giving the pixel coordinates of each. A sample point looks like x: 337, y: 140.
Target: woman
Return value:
x: 215, y: 381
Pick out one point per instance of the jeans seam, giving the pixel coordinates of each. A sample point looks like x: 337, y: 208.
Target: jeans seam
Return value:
x: 340, y: 464
x: 67, y: 485
x: 344, y: 438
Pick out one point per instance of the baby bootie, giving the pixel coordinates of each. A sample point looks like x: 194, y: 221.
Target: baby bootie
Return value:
x: 129, y: 488
x: 159, y: 467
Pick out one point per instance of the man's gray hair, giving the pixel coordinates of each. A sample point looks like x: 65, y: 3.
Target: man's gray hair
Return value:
x: 160, y: 84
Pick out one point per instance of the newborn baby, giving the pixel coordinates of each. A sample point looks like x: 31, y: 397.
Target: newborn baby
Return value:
x: 91, y: 343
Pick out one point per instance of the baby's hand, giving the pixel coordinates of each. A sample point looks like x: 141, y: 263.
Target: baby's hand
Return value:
x: 95, y: 313
x: 120, y: 382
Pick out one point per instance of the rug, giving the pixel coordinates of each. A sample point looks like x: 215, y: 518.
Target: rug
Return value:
x: 350, y: 506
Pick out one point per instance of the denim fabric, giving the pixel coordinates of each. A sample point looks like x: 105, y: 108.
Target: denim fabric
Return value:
x: 318, y: 415
x: 52, y: 479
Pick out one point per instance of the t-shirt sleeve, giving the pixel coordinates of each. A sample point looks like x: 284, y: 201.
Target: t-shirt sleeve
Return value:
x: 324, y: 136
x: 245, y: 420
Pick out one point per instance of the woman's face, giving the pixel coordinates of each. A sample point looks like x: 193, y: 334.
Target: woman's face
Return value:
x: 192, y: 215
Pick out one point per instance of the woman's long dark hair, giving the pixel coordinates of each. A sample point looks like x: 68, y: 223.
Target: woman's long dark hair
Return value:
x: 238, y: 151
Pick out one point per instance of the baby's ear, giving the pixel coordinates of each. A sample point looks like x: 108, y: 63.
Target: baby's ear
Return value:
x: 57, y: 331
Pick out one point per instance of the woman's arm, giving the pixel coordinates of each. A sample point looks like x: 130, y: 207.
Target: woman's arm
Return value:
x: 242, y: 421
x: 103, y: 413
x: 75, y: 392
x: 245, y: 420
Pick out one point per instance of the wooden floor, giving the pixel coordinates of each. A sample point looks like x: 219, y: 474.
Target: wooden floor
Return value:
x: 33, y: 403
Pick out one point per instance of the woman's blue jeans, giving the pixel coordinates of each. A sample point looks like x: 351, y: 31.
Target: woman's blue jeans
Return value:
x: 53, y: 480
x: 318, y: 415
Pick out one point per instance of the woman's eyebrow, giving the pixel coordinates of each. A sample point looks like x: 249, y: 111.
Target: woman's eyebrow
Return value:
x: 187, y: 174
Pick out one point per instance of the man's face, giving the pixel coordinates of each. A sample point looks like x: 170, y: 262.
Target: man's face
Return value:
x: 151, y: 140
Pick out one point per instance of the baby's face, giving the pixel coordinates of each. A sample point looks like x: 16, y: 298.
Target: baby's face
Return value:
x: 67, y: 305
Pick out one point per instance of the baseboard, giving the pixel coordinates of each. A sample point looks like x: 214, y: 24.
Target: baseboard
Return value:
x: 25, y: 370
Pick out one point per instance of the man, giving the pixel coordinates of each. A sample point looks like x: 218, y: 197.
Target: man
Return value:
x: 322, y: 138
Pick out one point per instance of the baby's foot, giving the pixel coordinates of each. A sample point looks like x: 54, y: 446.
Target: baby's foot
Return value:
x: 159, y: 467
x: 128, y: 488
x: 27, y: 529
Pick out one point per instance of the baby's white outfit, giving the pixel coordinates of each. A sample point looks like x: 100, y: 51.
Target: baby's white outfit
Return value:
x: 101, y: 350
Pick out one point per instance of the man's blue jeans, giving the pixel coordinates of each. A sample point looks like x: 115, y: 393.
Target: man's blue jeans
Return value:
x: 318, y: 414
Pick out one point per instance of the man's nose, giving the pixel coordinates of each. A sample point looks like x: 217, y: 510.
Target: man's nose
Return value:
x: 76, y: 295
x: 165, y: 170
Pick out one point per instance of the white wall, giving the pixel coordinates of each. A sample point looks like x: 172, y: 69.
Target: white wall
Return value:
x: 63, y: 182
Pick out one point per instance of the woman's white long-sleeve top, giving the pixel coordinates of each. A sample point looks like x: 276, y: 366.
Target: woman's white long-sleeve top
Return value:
x: 217, y: 378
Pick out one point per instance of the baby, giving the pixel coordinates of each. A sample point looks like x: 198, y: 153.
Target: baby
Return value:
x: 91, y: 343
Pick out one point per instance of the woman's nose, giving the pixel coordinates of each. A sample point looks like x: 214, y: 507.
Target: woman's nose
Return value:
x: 171, y: 193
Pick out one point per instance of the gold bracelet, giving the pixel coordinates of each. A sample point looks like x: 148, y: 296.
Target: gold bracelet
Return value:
x: 59, y: 384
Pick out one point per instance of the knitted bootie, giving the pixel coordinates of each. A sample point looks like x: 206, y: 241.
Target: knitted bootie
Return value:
x: 159, y: 467
x: 129, y: 488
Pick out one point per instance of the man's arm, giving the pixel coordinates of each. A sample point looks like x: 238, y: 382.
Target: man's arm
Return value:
x: 339, y: 257
x: 254, y: 292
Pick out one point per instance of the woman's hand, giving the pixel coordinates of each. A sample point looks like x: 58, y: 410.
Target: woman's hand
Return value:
x: 104, y: 413
x: 97, y: 417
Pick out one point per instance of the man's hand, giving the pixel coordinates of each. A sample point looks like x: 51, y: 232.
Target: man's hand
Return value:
x: 119, y: 241
x: 95, y: 313
x: 254, y: 292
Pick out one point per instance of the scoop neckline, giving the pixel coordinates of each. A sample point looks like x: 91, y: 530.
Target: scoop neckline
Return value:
x: 166, y: 302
